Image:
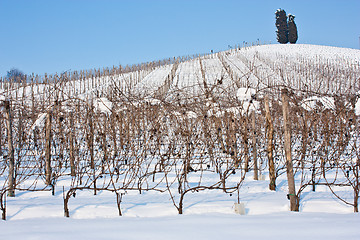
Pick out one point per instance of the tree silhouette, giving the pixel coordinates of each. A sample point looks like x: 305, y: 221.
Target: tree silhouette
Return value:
x: 282, y: 26
x: 293, y: 35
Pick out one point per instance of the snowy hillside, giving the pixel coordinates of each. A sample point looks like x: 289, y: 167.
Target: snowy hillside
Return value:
x: 305, y: 67
x: 323, y: 69
x: 220, y: 145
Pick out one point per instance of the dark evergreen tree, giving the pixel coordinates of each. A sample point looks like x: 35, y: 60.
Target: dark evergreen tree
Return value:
x: 293, y: 35
x: 282, y: 26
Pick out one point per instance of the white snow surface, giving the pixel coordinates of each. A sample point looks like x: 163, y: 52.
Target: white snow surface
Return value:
x: 152, y: 101
x: 282, y: 226
x: 39, y: 122
x: 103, y: 105
x: 357, y: 105
x: 311, y: 103
x: 207, y: 215
x: 245, y: 94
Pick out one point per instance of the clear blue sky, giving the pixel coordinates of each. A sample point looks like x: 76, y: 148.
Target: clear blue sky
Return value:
x: 39, y: 36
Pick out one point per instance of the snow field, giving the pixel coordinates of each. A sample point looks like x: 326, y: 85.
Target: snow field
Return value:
x: 279, y: 226
x: 208, y: 215
x: 256, y: 196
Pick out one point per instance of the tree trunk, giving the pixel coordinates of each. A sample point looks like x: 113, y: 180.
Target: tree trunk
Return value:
x: 118, y: 202
x: 356, y: 197
x: 66, y: 202
x: 180, y: 209
x: 270, y: 145
x: 11, y: 191
x: 294, y: 202
x: 3, y: 205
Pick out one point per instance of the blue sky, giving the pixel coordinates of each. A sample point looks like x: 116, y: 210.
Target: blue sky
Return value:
x: 39, y: 36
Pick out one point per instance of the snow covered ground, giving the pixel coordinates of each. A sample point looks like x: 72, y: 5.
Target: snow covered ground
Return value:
x: 207, y: 215
x: 280, y: 226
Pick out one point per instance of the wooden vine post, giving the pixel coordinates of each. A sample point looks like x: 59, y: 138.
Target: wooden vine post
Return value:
x: 48, y: 148
x: 91, y: 138
x: 233, y: 141
x: 72, y: 147
x: 246, y: 143
x: 357, y: 171
x: 294, y: 202
x: 104, y: 145
x: 11, y: 187
x: 270, y: 145
x: 254, y: 149
x: 91, y: 143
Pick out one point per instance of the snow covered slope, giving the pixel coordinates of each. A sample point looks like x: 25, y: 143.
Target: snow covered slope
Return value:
x: 304, y: 67
x: 313, y: 68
